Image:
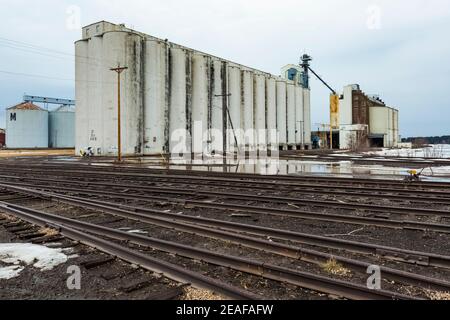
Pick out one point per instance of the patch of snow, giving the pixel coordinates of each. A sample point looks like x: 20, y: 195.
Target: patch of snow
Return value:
x: 438, y: 151
x: 138, y: 232
x: 41, y: 257
x: 10, y: 272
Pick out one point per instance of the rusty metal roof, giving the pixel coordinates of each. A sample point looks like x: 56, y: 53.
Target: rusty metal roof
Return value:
x: 26, y: 106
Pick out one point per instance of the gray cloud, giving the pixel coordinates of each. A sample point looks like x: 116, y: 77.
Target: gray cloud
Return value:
x: 406, y: 60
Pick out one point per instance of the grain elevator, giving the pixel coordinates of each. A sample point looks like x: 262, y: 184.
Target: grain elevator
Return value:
x: 176, y: 100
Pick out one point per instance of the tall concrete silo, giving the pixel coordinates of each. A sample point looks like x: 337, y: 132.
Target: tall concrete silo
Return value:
x: 26, y: 127
x: 282, y: 112
x: 271, y: 107
x: 179, y: 82
x: 156, y: 112
x: 291, y: 115
x: 61, y: 128
x: 260, y: 108
x: 234, y: 87
x: 219, y: 115
x: 299, y: 118
x: 247, y: 109
x: 200, y: 102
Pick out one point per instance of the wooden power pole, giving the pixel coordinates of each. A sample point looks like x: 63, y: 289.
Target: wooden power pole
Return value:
x: 119, y: 71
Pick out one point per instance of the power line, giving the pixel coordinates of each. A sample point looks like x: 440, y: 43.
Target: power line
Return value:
x: 31, y: 48
x: 51, y: 77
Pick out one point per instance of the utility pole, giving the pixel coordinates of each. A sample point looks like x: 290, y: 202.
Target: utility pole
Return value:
x: 119, y: 71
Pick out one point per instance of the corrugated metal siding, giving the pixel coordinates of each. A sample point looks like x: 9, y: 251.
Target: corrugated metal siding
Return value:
x: 26, y: 128
x: 61, y: 130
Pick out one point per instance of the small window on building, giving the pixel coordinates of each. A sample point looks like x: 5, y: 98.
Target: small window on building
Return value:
x: 97, y: 28
x: 13, y: 117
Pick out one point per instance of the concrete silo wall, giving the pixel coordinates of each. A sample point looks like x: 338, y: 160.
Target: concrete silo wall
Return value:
x: 281, y: 112
x: 156, y: 112
x: 168, y: 90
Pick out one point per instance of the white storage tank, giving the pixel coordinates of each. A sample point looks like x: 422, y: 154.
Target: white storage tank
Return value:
x: 271, y: 107
x: 26, y: 127
x: 234, y: 87
x: 291, y: 115
x: 307, y: 117
x: 282, y: 112
x: 219, y: 103
x: 299, y: 120
x: 61, y: 127
x: 156, y: 112
x: 260, y: 110
x: 247, y: 109
x: 200, y: 103
x: 178, y: 101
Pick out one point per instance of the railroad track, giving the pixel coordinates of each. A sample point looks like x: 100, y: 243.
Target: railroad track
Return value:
x: 424, y: 196
x: 178, y: 222
x: 127, y: 170
x: 169, y: 270
x: 187, y: 201
x: 93, y: 235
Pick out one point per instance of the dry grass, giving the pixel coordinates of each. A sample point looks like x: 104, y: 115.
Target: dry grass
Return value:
x: 192, y: 294
x: 36, y: 153
x: 436, y: 295
x: 335, y: 268
x: 5, y: 216
x: 49, y: 232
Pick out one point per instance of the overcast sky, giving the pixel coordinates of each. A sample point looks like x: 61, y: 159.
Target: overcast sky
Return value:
x: 398, y: 49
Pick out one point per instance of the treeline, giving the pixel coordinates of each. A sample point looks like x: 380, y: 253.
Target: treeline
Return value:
x: 428, y: 140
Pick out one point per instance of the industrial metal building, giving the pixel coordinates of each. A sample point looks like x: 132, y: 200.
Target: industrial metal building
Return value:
x: 169, y: 90
x: 61, y: 130
x: 26, y: 126
x: 366, y: 121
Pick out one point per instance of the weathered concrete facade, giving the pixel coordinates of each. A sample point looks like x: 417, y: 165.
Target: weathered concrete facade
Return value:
x: 366, y: 121
x: 169, y: 90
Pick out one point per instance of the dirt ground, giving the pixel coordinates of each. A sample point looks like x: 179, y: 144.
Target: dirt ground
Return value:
x: 10, y: 153
x: 110, y: 281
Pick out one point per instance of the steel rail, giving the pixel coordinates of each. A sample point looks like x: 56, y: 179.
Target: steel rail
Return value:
x: 240, y: 184
x: 271, y: 199
x: 328, y: 217
x: 105, y: 169
x: 170, y: 220
x: 274, y: 183
x: 171, y: 271
x: 272, y: 272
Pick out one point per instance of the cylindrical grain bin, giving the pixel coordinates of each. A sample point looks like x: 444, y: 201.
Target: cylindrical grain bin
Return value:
x: 82, y: 114
x: 271, y: 106
x: 260, y: 110
x: 247, y: 112
x: 307, y: 116
x: 291, y: 116
x: 234, y: 86
x: 97, y: 120
x: 219, y: 104
x: 61, y: 127
x: 200, y: 97
x: 124, y: 49
x: 281, y: 112
x: 156, y: 112
x: 299, y: 120
x: 26, y: 127
x: 178, y: 101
